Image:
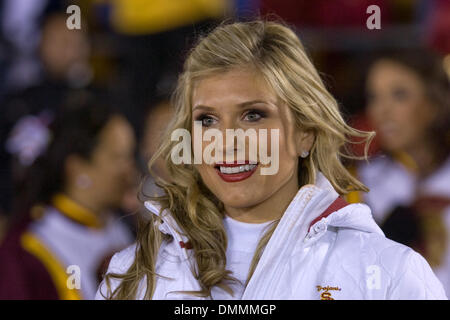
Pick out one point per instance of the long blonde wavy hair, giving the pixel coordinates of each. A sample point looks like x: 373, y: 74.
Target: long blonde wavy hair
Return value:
x: 275, y: 51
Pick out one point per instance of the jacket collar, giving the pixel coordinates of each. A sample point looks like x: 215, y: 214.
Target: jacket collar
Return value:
x: 355, y: 216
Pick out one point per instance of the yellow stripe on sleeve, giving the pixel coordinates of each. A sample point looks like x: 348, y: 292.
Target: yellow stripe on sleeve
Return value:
x: 33, y: 245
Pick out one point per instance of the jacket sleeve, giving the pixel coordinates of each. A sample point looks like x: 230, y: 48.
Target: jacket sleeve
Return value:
x: 416, y: 281
x: 22, y: 275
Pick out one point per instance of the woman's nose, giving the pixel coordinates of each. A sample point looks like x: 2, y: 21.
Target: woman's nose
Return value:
x: 234, y: 141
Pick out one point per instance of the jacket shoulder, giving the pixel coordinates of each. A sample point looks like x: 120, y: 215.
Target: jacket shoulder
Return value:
x: 416, y: 280
x: 119, y: 264
x: 404, y: 273
x: 122, y: 260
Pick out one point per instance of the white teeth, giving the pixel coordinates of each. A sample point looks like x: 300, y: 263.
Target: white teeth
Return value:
x: 237, y: 169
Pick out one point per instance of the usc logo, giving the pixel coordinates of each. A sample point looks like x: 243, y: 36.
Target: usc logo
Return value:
x: 326, y: 295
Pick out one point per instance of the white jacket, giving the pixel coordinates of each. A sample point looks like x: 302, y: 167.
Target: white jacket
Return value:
x: 343, y: 256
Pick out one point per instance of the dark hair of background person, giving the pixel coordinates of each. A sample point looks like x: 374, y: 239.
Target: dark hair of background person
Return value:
x: 75, y: 130
x: 430, y: 69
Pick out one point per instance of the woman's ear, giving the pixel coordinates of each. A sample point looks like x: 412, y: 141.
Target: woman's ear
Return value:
x: 305, y: 141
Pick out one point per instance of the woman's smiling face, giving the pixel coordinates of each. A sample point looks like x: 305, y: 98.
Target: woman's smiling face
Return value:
x: 241, y: 99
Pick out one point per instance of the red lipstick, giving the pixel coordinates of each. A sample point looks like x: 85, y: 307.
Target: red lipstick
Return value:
x: 235, y: 177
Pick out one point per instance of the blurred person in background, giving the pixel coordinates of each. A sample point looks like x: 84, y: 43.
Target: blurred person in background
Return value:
x: 157, y: 120
x: 69, y: 201
x: 30, y: 31
x: 64, y: 53
x: 64, y: 65
x: 408, y: 104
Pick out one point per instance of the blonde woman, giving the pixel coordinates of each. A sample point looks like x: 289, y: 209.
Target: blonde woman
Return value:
x: 227, y: 231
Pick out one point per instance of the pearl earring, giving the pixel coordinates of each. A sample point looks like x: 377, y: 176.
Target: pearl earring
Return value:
x: 304, y: 154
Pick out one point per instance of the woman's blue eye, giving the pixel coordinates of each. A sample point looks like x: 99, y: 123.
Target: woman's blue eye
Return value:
x: 207, y: 121
x: 253, y: 116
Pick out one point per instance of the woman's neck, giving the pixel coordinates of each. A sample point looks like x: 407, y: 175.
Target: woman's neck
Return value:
x: 85, y: 201
x: 424, y: 157
x: 270, y: 209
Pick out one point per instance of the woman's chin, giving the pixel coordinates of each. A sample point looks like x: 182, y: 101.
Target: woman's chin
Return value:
x: 240, y: 201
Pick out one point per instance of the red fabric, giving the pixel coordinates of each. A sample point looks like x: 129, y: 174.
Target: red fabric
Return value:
x: 439, y: 20
x: 22, y: 275
x: 337, y: 204
x: 186, y: 245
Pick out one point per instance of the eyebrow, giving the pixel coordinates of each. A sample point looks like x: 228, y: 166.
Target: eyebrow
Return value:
x: 241, y: 105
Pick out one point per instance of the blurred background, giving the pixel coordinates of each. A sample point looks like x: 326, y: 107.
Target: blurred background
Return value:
x: 82, y: 112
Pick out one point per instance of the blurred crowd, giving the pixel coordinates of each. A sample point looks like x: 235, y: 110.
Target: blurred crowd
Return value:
x: 83, y: 110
